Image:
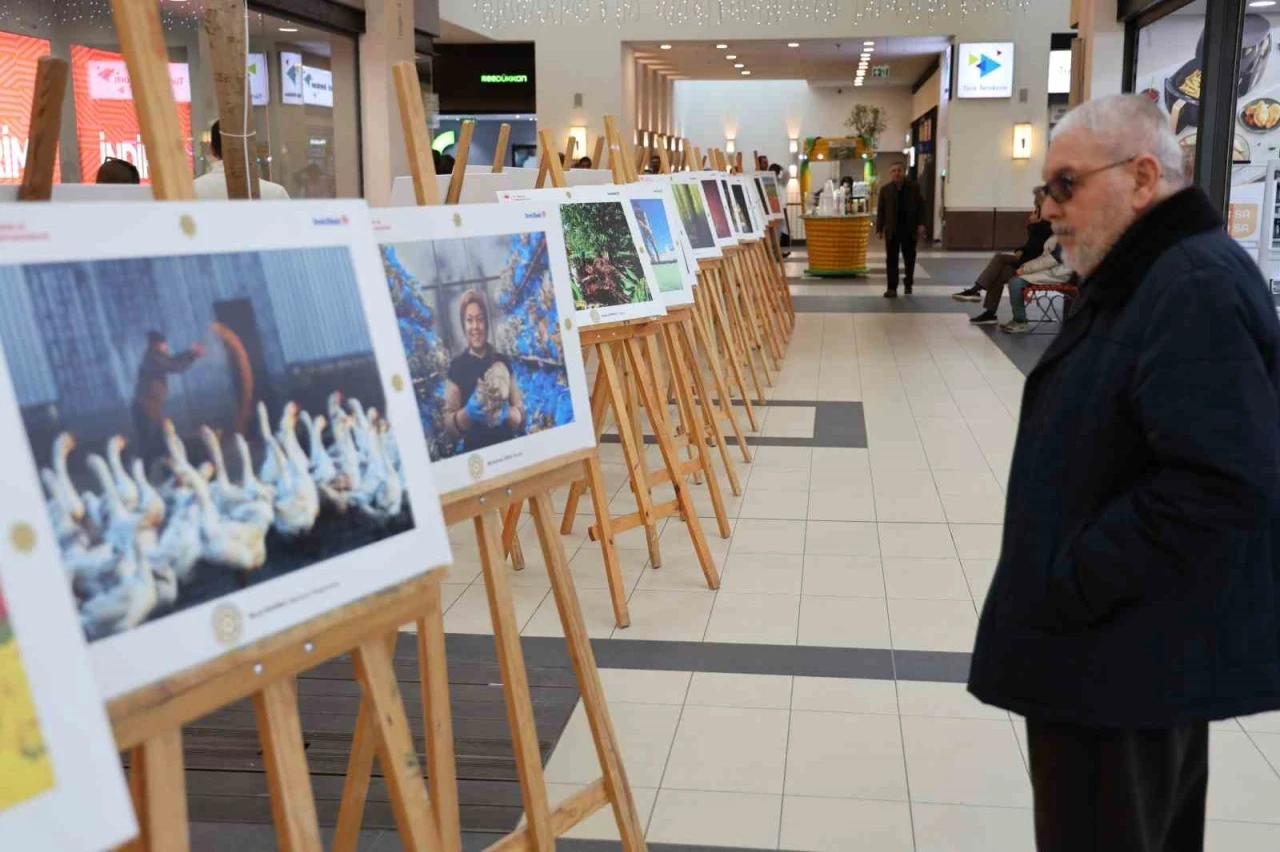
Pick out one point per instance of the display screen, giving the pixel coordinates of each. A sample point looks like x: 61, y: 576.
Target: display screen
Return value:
x: 984, y: 70
x: 1059, y: 72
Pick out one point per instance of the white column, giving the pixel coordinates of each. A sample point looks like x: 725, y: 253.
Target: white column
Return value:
x: 388, y: 39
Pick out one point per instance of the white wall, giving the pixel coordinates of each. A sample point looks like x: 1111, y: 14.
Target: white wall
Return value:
x: 763, y: 115
x: 1104, y: 48
x: 928, y: 96
x: 588, y: 58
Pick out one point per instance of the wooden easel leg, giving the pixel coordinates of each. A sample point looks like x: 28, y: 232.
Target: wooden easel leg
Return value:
x: 757, y: 310
x: 515, y: 684
x: 633, y: 446
x: 772, y: 311
x: 158, y: 784
x: 599, y: 398
x: 293, y: 806
x: 617, y: 787
x: 737, y: 325
x: 725, y: 403
x: 708, y: 407
x: 355, y: 788
x: 604, y: 528
x: 696, y: 430
x: 510, y: 539
x: 396, y: 752
x: 734, y: 355
x: 672, y: 460
x: 442, y: 769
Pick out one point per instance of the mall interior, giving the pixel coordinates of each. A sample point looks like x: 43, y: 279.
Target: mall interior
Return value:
x: 815, y: 698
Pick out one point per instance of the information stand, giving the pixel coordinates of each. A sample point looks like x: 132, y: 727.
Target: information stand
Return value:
x: 148, y: 721
x: 483, y: 504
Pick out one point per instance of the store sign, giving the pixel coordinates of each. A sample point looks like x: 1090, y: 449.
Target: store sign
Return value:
x: 291, y: 78
x: 19, y: 55
x: 259, y: 83
x: 1059, y: 72
x: 1244, y: 214
x: 985, y: 70
x: 106, y: 121
x: 317, y: 86
x: 504, y: 78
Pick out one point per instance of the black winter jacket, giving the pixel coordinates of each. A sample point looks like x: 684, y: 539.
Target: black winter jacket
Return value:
x: 1139, y: 575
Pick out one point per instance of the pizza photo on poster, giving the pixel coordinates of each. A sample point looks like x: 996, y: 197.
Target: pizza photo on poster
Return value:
x: 481, y: 305
x: 208, y: 426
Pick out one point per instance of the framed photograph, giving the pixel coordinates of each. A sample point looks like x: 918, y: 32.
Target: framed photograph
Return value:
x: 479, y: 187
x: 485, y: 308
x: 612, y: 279
x: 215, y: 401
x: 718, y: 209
x: 663, y: 239
x: 60, y: 781
x: 691, y: 204
x: 739, y: 207
x: 744, y: 193
x: 774, y: 193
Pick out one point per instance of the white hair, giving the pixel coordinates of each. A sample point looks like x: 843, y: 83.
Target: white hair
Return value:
x: 1129, y: 126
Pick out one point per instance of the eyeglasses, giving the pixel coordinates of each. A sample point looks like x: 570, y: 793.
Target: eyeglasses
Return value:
x: 1062, y: 188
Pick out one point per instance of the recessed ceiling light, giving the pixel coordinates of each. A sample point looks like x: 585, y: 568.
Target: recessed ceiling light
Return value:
x: 857, y: 83
x: 722, y: 47
x: 1262, y: 4
x: 664, y: 47
x: 738, y: 65
x: 868, y: 48
x: 731, y: 56
x: 746, y: 73
x: 288, y: 29
x: 869, y: 43
x: 793, y: 44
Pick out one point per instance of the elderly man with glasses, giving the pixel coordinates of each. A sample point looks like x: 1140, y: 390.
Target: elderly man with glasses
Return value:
x: 1137, y: 594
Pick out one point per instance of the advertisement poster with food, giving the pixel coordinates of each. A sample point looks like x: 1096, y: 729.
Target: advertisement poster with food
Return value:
x: 1170, y: 72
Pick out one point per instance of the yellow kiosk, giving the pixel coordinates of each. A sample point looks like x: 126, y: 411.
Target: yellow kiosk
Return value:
x: 837, y: 243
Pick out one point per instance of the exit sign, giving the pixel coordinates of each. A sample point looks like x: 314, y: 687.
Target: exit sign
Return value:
x: 504, y: 78
x: 880, y: 71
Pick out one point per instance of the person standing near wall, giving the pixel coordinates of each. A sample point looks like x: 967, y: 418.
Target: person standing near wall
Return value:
x: 900, y: 222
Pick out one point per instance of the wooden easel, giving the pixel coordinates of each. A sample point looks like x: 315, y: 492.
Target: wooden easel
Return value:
x: 482, y: 504
x: 148, y: 722
x: 627, y: 355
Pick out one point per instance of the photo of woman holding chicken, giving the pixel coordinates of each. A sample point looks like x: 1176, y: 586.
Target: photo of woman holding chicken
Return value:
x: 483, y: 406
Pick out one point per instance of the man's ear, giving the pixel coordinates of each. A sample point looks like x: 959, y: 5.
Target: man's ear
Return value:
x: 1147, y: 174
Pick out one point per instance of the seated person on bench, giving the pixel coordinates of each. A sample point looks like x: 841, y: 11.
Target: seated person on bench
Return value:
x: 1048, y: 268
x: 1003, y: 266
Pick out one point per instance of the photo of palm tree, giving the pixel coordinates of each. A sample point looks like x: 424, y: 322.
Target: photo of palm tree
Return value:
x: 603, y: 259
x: 655, y: 232
x: 693, y: 213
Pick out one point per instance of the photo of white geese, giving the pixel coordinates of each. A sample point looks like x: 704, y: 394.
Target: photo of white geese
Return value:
x: 134, y: 549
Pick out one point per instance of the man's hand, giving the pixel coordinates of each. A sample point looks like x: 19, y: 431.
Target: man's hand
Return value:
x: 197, y: 349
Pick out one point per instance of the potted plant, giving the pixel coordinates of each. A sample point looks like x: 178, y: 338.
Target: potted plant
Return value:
x: 867, y: 123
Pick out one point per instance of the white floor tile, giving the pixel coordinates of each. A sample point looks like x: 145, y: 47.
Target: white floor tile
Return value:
x: 1242, y: 785
x: 450, y: 592
x: 719, y: 689
x: 916, y: 541
x: 843, y: 622
x: 642, y: 686
x: 659, y: 614
x: 968, y: 828
x: 796, y: 458
x: 932, y: 625
x: 845, y: 755
x: 1263, y: 723
x: 907, y: 496
x: 741, y: 820
x: 777, y: 505
x: 644, y: 731
x: 844, y: 695
x: 977, y: 541
x: 979, y: 573
x: 1223, y: 836
x: 965, y: 762
x: 843, y: 538
x: 681, y: 571
x: 853, y: 503
x: 845, y: 825
x: 763, y: 573
x: 470, y: 613
x: 728, y: 749
x: 768, y: 619
x: 779, y: 479
x: 926, y: 579
x: 597, y: 612
x: 951, y: 700
x: 766, y: 536
x: 837, y: 575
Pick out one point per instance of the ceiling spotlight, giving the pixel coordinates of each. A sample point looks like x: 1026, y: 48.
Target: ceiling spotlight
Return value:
x: 722, y: 47
x: 746, y: 73
x: 793, y: 44
x: 857, y: 83
x: 869, y: 44
x: 1262, y: 4
x: 288, y: 29
x: 868, y: 48
x: 664, y: 47
x: 731, y: 56
x: 738, y: 65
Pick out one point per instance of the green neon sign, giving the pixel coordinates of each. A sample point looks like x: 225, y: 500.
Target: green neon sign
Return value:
x: 504, y: 78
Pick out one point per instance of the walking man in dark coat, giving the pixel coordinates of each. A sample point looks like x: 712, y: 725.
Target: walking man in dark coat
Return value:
x: 1137, y: 596
x: 153, y: 389
x: 900, y: 221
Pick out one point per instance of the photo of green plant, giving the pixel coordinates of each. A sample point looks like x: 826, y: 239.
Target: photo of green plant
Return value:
x: 603, y: 261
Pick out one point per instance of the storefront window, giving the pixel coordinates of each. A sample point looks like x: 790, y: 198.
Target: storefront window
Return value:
x: 303, y: 84
x: 1169, y: 71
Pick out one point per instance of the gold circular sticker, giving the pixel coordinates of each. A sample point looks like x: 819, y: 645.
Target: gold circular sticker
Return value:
x: 568, y: 323
x: 22, y: 536
x: 475, y: 466
x: 397, y: 382
x: 228, y: 624
x: 457, y: 220
x: 595, y: 315
x: 187, y: 224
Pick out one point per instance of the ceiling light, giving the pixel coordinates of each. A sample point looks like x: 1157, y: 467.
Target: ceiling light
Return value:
x: 746, y: 73
x: 664, y: 47
x: 738, y: 65
x: 868, y: 48
x: 288, y: 29
x: 793, y: 44
x: 869, y: 44
x: 857, y: 82
x: 731, y: 56
x: 722, y: 47
x: 1261, y: 4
